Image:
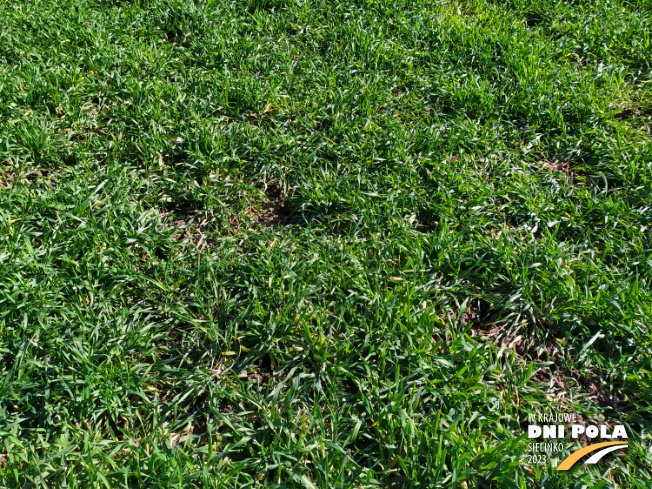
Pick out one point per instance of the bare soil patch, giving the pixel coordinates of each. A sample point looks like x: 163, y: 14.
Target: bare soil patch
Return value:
x: 276, y: 211
x: 187, y: 226
x: 566, y: 167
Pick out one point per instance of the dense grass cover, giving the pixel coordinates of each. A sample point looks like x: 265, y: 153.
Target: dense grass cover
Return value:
x: 311, y: 244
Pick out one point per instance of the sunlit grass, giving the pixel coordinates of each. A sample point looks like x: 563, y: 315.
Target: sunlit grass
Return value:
x: 279, y: 243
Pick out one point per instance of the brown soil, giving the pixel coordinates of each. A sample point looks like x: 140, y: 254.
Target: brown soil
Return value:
x: 276, y: 211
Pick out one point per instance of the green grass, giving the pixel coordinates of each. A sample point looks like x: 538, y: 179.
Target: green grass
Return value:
x: 310, y: 244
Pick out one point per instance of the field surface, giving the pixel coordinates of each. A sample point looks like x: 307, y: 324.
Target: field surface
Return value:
x: 322, y: 244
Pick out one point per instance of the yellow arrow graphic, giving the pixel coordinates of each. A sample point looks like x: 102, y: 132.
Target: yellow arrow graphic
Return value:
x: 574, y: 457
